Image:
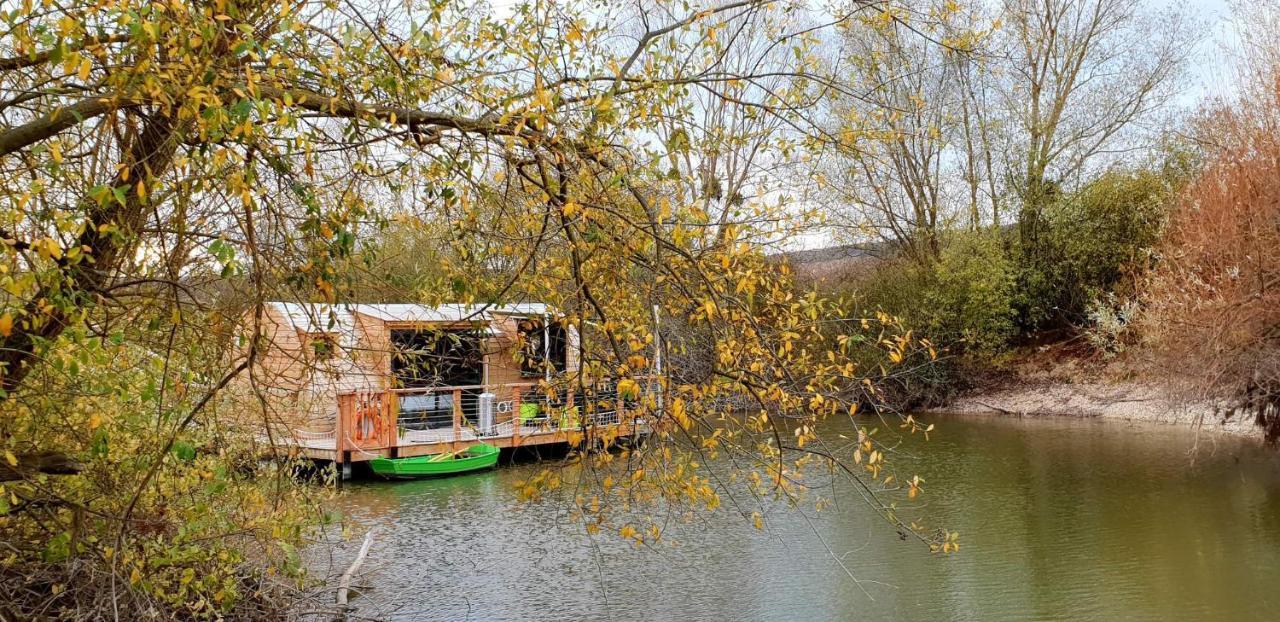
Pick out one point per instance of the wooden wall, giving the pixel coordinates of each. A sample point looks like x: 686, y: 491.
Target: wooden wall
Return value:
x: 308, y: 387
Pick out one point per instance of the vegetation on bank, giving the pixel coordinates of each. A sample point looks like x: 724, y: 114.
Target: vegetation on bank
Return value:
x: 1164, y: 269
x: 986, y: 293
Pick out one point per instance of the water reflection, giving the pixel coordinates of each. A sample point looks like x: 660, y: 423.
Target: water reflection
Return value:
x: 1060, y: 520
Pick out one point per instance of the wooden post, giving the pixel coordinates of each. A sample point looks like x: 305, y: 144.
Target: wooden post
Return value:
x: 345, y: 404
x: 517, y: 421
x: 391, y: 418
x: 346, y: 415
x: 457, y: 417
x: 566, y: 416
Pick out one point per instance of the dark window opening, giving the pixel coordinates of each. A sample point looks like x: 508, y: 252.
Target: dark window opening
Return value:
x: 436, y: 358
x: 542, y: 347
x: 324, y: 346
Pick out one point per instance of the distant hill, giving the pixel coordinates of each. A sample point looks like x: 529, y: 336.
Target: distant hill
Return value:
x: 835, y: 263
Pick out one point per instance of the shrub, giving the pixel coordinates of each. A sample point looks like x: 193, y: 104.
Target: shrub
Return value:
x: 962, y: 303
x: 969, y: 301
x: 1110, y: 319
x: 1093, y: 238
x: 1212, y: 305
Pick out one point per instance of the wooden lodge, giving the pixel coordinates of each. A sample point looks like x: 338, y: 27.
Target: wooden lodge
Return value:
x: 363, y: 381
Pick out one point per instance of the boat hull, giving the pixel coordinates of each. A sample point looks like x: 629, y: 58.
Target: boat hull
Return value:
x: 475, y: 458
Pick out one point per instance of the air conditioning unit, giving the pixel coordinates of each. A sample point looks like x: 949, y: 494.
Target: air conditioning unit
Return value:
x: 486, y: 414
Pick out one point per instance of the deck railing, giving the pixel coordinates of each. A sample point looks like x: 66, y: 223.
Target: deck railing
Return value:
x: 379, y: 421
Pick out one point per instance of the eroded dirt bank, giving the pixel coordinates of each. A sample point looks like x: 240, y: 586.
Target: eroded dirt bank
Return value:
x: 1063, y: 380
x: 1125, y: 401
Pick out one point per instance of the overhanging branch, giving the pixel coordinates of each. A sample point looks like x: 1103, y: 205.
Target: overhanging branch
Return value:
x: 346, y: 108
x: 55, y: 121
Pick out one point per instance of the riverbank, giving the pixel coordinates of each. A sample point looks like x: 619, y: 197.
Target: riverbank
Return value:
x: 1121, y: 401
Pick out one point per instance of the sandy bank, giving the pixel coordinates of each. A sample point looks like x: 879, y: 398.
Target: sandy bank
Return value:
x: 1118, y: 401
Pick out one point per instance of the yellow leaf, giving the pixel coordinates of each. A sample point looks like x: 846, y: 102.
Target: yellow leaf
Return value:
x: 47, y: 248
x: 628, y: 388
x: 6, y: 324
x: 13, y: 460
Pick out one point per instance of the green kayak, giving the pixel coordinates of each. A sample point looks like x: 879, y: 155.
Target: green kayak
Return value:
x: 473, y: 458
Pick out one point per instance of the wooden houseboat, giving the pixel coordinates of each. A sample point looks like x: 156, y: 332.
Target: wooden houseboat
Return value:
x: 366, y: 381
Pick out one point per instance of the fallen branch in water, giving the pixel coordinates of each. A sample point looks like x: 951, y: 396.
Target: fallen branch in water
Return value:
x: 344, y: 584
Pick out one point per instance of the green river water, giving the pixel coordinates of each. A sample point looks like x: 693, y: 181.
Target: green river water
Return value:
x: 1059, y: 519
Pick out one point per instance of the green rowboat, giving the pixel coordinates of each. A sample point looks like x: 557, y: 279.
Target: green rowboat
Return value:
x: 474, y: 458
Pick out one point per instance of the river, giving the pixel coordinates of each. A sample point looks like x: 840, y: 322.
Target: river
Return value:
x: 1060, y: 519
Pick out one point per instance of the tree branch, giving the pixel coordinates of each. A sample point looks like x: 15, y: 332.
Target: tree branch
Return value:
x: 20, y: 62
x: 57, y: 120
x: 346, y: 108
x: 48, y: 462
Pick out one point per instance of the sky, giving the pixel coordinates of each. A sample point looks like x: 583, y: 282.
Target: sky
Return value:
x: 1211, y: 73
x: 1209, y: 70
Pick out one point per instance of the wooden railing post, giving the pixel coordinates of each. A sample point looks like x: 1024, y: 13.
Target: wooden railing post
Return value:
x: 517, y: 419
x: 391, y: 406
x: 346, y: 406
x: 457, y: 417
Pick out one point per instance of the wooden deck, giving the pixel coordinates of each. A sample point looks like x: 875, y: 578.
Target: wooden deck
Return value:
x: 415, y: 422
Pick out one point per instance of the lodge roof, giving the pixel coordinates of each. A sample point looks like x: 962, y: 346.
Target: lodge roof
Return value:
x: 322, y: 318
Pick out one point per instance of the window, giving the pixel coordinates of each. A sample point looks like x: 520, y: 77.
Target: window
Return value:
x: 542, y: 347
x: 434, y: 358
x: 324, y: 346
x: 423, y: 358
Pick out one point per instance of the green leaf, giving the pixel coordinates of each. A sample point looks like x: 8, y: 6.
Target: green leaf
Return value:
x: 59, y: 548
x: 185, y: 451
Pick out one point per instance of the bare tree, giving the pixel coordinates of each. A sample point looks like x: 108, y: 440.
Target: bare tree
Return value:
x: 1079, y: 78
x: 910, y: 131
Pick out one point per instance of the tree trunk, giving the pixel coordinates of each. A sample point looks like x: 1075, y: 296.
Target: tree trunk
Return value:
x: 149, y: 156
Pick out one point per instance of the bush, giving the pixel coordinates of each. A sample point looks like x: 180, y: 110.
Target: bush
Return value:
x: 963, y: 302
x: 1110, y: 319
x: 970, y: 298
x: 1093, y: 238
x: 1212, y: 305
x: 213, y: 529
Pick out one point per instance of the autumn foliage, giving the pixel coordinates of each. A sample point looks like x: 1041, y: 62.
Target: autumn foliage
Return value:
x: 1213, y: 303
